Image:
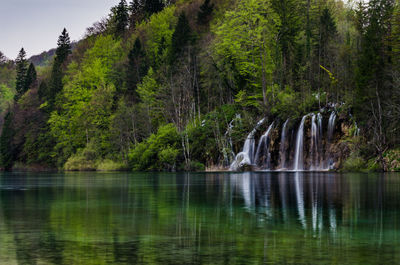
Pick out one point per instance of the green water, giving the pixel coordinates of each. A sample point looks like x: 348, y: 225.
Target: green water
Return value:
x: 213, y: 218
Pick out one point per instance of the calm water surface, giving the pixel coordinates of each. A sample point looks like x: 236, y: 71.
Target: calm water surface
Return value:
x: 213, y: 218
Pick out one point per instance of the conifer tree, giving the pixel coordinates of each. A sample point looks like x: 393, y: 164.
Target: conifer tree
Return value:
x: 21, y: 65
x: 62, y: 52
x: 63, y: 46
x: 120, y: 17
x: 153, y: 6
x: 206, y: 10
x: 43, y: 90
x: 371, y: 73
x: 137, y: 68
x: 288, y: 29
x: 30, y: 78
x: 135, y: 12
x: 181, y: 37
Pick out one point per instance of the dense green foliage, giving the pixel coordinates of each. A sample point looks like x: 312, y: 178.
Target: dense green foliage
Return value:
x: 176, y: 85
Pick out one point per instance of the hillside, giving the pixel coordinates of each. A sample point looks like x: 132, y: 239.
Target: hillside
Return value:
x: 179, y: 85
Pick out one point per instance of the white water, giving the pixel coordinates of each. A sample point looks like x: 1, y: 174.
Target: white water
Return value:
x: 263, y: 150
x: 246, y: 157
x: 228, y: 157
x: 319, y: 157
x: 319, y: 142
x: 331, y: 126
x: 282, y: 147
x: 313, y: 142
x: 298, y: 159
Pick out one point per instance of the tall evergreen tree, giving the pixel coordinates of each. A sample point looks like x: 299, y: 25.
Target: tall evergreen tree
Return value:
x: 371, y: 73
x: 21, y: 65
x: 63, y: 46
x: 181, y: 37
x: 137, y: 68
x: 30, y: 78
x: 288, y: 30
x: 120, y: 17
x: 135, y: 12
x: 327, y: 32
x: 62, y: 52
x: 205, y: 11
x: 153, y: 6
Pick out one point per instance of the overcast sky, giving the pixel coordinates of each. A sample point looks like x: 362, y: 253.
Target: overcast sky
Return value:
x: 36, y: 24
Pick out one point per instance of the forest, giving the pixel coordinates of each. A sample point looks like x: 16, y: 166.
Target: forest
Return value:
x: 156, y: 84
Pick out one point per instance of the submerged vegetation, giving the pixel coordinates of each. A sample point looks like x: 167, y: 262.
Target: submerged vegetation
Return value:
x: 177, y: 85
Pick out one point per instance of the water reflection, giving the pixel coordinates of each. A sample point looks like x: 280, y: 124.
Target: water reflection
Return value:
x: 187, y: 218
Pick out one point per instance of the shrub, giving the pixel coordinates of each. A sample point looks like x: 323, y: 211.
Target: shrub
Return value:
x: 110, y: 165
x: 79, y: 162
x: 159, y: 152
x: 354, y: 163
x: 83, y: 160
x: 167, y: 157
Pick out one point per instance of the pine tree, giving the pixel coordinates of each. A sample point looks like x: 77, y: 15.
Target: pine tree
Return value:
x: 206, y: 10
x: 153, y: 6
x: 327, y: 31
x: 137, y: 68
x: 63, y: 46
x: 62, y: 52
x: 21, y: 65
x: 31, y: 76
x: 135, y: 12
x: 120, y: 17
x: 43, y: 90
x: 181, y: 37
x: 288, y: 29
x: 371, y: 73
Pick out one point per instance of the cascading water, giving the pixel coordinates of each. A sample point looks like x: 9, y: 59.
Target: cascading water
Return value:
x: 298, y: 158
x: 319, y: 141
x: 246, y: 157
x: 314, y: 144
x: 320, y: 145
x: 263, y: 156
x: 282, y: 147
x: 331, y: 128
x: 228, y: 156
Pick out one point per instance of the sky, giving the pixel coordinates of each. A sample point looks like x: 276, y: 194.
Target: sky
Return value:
x: 36, y: 24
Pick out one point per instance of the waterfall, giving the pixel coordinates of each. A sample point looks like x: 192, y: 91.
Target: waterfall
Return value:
x: 246, y: 157
x: 313, y: 142
x: 319, y: 148
x: 228, y: 157
x: 282, y: 147
x: 331, y: 126
x: 263, y: 150
x: 319, y: 142
x: 298, y: 159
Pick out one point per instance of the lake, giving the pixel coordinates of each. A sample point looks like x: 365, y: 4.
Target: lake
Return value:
x: 199, y: 218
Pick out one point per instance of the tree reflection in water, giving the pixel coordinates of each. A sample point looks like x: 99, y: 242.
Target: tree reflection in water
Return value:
x: 193, y: 218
